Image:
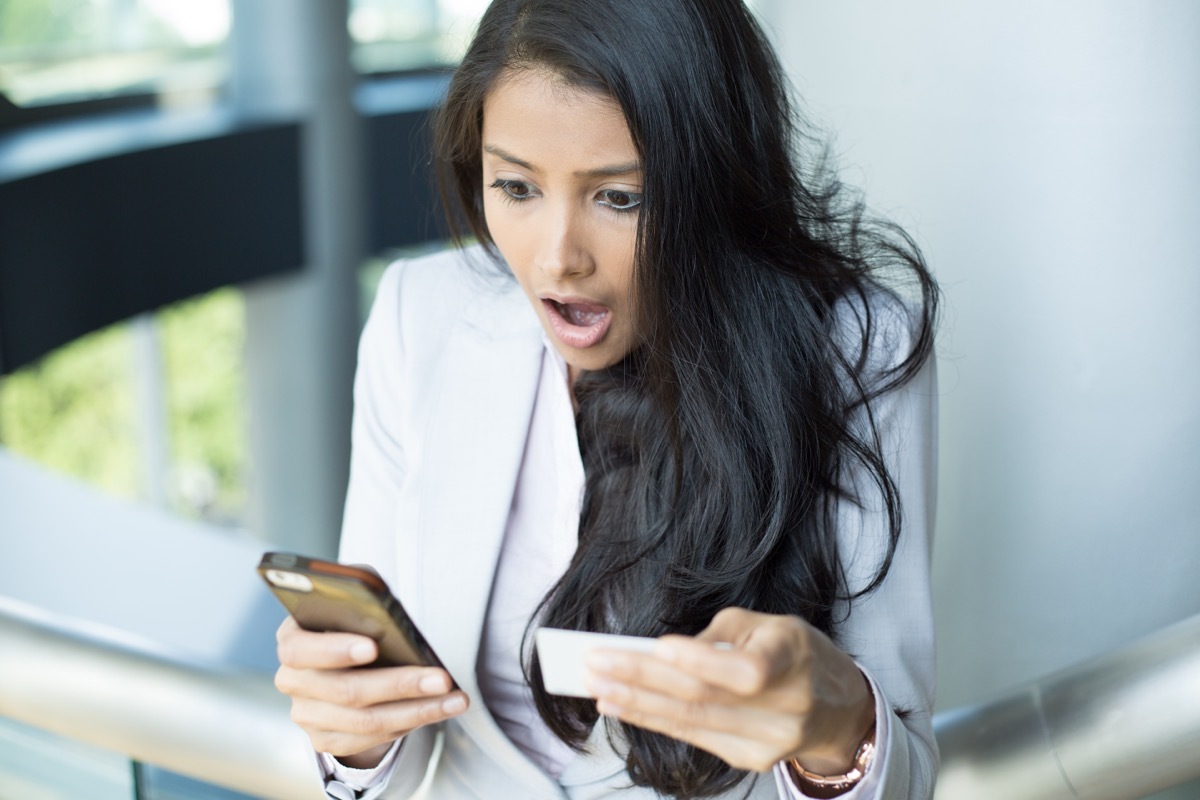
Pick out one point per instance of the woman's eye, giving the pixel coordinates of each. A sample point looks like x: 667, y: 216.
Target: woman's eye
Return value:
x: 618, y: 200
x: 513, y: 190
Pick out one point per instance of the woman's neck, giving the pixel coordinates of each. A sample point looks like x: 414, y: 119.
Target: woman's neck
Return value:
x: 573, y: 374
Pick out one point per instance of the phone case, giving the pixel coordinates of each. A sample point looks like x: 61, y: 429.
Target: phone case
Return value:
x: 326, y: 596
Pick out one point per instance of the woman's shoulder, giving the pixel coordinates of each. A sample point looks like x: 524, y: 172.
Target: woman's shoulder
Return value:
x: 443, y: 288
x: 455, y: 272
x: 878, y: 329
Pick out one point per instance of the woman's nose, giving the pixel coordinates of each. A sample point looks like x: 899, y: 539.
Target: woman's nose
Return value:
x: 562, y: 249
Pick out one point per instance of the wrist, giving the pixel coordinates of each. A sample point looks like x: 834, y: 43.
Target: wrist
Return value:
x: 842, y: 763
x: 832, y: 784
x: 367, y: 759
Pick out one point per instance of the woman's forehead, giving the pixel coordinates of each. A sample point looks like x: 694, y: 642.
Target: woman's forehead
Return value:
x: 549, y: 86
x: 538, y: 117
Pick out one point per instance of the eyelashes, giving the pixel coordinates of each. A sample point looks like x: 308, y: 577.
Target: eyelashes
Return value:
x: 512, y: 191
x: 616, y: 200
x: 621, y: 201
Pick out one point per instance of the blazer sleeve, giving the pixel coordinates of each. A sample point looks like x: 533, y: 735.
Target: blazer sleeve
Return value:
x: 890, y: 631
x: 377, y: 453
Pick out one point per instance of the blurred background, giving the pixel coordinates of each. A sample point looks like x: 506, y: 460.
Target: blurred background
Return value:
x: 197, y: 197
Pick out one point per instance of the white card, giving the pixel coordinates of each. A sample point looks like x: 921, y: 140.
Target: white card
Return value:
x: 563, y: 656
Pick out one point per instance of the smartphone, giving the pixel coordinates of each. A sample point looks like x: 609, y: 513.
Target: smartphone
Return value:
x: 326, y: 596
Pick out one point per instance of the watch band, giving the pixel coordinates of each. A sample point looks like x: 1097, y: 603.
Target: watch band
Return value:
x: 863, y: 756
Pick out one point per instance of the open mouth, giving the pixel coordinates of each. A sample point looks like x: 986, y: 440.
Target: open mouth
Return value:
x: 578, y: 324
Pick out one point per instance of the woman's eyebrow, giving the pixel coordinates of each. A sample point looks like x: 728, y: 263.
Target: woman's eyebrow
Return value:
x: 610, y: 172
x: 504, y: 155
x: 599, y: 172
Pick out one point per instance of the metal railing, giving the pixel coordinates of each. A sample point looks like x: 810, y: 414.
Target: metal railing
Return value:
x: 226, y: 727
x: 1124, y: 725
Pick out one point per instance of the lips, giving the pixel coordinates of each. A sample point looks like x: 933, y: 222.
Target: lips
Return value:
x: 577, y: 323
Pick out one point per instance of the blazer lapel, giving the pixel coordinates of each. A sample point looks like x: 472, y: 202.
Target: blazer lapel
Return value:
x: 473, y: 453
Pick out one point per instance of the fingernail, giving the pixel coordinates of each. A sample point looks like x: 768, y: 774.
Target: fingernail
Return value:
x: 455, y: 704
x: 432, y: 684
x: 362, y: 652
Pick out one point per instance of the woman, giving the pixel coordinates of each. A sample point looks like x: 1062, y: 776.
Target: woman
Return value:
x: 694, y: 402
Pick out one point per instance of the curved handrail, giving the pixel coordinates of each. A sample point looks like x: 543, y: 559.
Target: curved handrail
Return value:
x: 1121, y: 726
x: 226, y: 727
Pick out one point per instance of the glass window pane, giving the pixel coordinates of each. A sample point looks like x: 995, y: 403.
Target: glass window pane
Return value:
x: 56, y: 51
x: 155, y: 783
x: 37, y: 765
x: 393, y: 35
x: 75, y: 411
x: 79, y: 410
x: 202, y: 349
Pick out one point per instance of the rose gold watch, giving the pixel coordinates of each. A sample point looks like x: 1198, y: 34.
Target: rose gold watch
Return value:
x: 863, y: 757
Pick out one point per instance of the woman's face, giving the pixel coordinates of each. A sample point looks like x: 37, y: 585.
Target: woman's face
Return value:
x: 562, y: 183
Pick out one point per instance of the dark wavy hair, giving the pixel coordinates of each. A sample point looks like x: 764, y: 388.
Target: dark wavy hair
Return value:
x: 717, y: 452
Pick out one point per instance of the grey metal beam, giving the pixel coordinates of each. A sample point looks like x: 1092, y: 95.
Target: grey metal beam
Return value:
x: 1124, y: 725
x: 226, y: 727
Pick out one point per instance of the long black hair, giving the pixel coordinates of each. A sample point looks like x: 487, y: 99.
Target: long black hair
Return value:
x: 772, y: 311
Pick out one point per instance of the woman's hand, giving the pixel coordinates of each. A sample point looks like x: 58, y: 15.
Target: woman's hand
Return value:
x: 782, y: 690
x: 356, y: 714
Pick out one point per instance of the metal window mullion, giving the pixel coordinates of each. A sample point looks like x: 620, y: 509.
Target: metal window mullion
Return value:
x: 151, y: 410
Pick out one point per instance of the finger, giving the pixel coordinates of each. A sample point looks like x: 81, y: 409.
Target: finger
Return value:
x: 731, y: 625
x: 359, y: 688
x: 745, y: 672
x: 342, y: 731
x: 778, y: 644
x: 780, y: 730
x: 733, y: 748
x: 303, y: 649
x: 647, y: 671
x: 386, y: 720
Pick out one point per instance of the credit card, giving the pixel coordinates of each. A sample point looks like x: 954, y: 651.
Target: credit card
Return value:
x: 563, y: 656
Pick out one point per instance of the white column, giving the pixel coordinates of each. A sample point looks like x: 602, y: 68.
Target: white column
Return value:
x: 292, y: 58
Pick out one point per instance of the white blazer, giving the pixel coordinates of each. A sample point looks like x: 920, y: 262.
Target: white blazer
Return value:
x: 447, y: 373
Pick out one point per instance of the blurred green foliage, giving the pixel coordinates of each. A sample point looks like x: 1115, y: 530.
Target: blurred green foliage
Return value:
x: 34, y: 22
x: 202, y: 341
x: 75, y: 410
